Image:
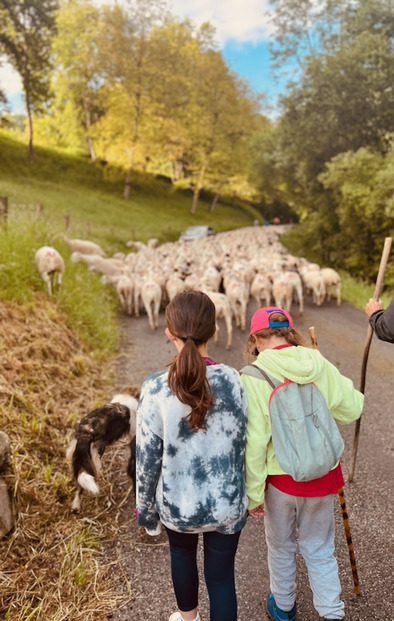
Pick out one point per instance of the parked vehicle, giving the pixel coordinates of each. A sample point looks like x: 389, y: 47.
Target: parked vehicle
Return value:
x: 196, y: 232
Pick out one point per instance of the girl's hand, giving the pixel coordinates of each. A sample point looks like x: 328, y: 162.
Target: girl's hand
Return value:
x: 257, y: 512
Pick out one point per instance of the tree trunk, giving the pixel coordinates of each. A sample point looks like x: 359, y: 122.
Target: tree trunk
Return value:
x: 3, y: 210
x: 91, y: 149
x: 127, y: 185
x: 29, y: 129
x: 196, y: 195
x: 214, y: 203
x: 198, y: 188
x: 88, y: 126
x: 176, y: 167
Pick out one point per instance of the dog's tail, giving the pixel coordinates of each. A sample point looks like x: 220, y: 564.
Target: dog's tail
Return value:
x: 88, y: 482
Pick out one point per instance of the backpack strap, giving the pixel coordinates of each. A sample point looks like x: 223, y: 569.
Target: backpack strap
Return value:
x: 255, y: 371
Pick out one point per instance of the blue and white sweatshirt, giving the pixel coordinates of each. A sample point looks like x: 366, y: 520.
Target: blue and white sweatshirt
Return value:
x: 192, y: 481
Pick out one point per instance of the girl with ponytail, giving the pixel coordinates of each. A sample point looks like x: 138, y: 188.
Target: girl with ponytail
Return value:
x: 191, y: 423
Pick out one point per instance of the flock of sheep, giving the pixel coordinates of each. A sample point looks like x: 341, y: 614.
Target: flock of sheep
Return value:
x: 231, y: 267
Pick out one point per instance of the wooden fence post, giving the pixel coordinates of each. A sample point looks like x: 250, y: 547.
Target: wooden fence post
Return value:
x: 4, y: 209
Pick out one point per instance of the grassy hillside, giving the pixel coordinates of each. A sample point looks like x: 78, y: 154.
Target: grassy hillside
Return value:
x: 91, y: 195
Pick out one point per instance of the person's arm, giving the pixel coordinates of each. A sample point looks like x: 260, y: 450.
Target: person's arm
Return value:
x: 381, y: 321
x: 148, y: 467
x: 258, y: 435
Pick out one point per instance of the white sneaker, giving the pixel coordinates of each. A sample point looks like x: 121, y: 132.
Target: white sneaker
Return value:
x: 176, y: 616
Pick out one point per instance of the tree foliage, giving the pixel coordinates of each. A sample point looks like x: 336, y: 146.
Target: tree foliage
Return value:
x: 26, y: 30
x: 78, y: 73
x: 362, y: 184
x: 343, y: 103
x: 161, y: 97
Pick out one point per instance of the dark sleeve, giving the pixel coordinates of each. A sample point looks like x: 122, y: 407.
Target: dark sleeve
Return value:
x: 382, y: 323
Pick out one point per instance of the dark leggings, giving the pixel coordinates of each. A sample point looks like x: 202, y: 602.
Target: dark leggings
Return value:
x: 219, y: 556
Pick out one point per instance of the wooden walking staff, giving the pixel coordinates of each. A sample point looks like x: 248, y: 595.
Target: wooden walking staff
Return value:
x: 345, y: 516
x: 378, y: 288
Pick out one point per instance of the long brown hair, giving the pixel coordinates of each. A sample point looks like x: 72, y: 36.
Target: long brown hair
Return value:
x: 190, y: 316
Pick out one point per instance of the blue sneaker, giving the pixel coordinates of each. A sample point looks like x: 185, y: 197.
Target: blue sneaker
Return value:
x: 280, y: 615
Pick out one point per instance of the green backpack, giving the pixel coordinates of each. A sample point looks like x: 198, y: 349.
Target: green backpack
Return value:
x: 305, y: 436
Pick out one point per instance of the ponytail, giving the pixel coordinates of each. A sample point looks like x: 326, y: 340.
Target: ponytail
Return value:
x: 190, y: 316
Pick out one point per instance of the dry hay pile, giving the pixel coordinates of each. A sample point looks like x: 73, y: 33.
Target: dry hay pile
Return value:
x: 50, y: 565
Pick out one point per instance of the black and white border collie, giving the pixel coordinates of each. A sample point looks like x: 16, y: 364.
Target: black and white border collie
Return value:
x: 97, y: 430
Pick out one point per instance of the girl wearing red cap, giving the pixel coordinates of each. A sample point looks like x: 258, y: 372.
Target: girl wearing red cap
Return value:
x: 287, y: 504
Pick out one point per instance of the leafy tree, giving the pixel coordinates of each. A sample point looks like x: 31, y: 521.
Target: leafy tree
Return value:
x: 221, y: 116
x: 173, y: 50
x: 362, y: 184
x: 171, y: 103
x: 129, y: 81
x: 3, y: 98
x: 78, y: 75
x: 343, y: 102
x: 26, y: 30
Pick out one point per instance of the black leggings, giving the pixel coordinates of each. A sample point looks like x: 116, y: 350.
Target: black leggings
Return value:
x: 219, y: 556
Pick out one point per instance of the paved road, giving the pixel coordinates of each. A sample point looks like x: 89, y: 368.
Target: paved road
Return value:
x: 341, y: 333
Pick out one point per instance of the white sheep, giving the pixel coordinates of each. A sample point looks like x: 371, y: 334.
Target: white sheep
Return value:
x: 83, y: 245
x: 97, y: 263
x: 151, y: 295
x: 237, y: 292
x: 192, y: 282
x: 261, y: 290
x: 50, y: 265
x: 174, y: 285
x: 223, y: 311
x: 285, y: 285
x: 211, y: 279
x: 125, y: 288
x: 332, y: 279
x: 314, y: 282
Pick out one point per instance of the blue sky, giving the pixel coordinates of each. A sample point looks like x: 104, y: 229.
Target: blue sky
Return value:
x: 243, y: 29
x: 242, y: 32
x: 252, y: 61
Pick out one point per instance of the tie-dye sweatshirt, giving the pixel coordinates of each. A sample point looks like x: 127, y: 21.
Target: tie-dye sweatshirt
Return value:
x: 191, y: 481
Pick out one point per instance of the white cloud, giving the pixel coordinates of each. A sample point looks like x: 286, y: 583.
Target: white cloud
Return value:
x: 10, y: 81
x: 235, y: 20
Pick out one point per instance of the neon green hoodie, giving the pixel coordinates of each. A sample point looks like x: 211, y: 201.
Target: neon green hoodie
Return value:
x: 301, y: 365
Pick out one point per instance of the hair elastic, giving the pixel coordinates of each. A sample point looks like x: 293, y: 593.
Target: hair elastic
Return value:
x: 189, y: 338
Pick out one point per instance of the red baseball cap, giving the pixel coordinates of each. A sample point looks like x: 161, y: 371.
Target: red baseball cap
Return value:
x: 261, y: 320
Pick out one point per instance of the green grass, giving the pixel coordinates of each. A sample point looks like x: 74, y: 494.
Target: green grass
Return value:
x: 89, y: 307
x: 91, y: 196
x: 357, y: 293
